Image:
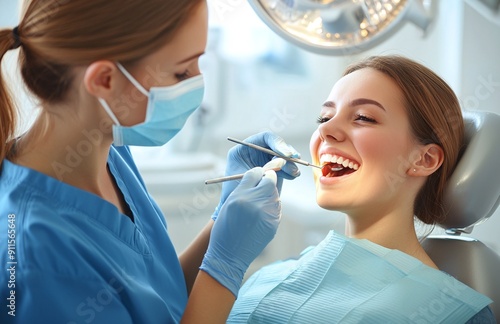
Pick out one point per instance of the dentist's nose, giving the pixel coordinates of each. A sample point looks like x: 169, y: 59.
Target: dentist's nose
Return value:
x: 332, y: 130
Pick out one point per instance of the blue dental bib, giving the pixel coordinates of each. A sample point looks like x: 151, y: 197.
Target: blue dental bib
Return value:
x: 346, y: 280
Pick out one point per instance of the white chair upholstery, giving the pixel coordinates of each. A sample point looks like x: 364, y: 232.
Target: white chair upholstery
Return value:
x: 472, y: 196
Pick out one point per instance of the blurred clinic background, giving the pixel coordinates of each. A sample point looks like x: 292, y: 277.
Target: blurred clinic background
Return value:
x: 256, y: 81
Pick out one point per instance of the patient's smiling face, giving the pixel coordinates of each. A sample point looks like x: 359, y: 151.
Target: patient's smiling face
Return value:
x: 363, y: 120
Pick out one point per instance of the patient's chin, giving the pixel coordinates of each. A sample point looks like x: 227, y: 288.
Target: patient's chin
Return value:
x: 326, y: 202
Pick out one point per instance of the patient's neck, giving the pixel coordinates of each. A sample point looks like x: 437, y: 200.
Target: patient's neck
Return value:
x: 390, y: 231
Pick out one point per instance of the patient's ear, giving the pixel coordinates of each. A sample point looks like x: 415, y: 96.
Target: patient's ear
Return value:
x: 429, y: 161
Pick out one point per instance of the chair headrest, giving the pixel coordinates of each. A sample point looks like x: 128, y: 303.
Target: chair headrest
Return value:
x: 473, y: 191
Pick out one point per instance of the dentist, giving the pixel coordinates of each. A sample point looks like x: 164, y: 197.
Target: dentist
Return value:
x: 83, y: 240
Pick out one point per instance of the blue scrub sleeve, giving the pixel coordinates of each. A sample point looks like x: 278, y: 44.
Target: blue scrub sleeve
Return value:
x: 59, y: 299
x: 485, y: 316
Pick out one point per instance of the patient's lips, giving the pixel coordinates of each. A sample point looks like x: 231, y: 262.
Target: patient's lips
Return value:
x: 335, y: 166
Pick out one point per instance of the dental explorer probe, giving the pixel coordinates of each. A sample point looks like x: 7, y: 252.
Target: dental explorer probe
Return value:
x: 263, y: 149
x: 229, y: 178
x: 275, y: 165
x: 224, y: 179
x: 268, y: 151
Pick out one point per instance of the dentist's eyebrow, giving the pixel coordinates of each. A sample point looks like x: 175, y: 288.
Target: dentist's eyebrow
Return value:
x: 190, y: 58
x: 365, y: 101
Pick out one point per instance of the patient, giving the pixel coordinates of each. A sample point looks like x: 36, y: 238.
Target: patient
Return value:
x: 389, y: 137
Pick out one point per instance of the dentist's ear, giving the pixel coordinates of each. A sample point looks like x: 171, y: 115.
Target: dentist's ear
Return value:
x: 431, y: 159
x: 100, y: 79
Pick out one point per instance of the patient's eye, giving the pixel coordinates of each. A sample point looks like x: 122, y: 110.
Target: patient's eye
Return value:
x: 321, y: 119
x: 365, y: 118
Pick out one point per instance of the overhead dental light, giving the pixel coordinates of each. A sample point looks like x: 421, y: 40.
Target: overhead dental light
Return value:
x: 341, y: 27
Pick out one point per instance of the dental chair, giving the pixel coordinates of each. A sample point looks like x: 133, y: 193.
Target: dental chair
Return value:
x: 472, y: 196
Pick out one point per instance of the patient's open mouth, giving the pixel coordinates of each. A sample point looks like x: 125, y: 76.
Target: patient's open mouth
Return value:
x: 335, y: 166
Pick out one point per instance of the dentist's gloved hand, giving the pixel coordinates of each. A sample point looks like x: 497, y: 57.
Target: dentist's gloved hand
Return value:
x: 247, y: 222
x: 242, y: 158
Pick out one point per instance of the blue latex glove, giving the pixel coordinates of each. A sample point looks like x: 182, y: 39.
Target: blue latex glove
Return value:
x: 242, y: 158
x: 247, y: 222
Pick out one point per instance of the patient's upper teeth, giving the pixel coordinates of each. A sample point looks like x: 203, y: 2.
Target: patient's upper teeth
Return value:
x: 344, y: 162
x: 326, y: 158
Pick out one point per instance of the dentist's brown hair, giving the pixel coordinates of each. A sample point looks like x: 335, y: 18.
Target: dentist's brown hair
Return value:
x: 56, y: 35
x: 435, y: 117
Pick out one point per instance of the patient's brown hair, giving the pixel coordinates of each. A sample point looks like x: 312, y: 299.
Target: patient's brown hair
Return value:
x: 435, y: 117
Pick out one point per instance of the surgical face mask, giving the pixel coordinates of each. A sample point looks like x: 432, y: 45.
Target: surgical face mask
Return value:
x: 167, y: 111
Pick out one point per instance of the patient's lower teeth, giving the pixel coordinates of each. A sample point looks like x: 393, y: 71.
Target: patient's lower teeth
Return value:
x: 330, y: 170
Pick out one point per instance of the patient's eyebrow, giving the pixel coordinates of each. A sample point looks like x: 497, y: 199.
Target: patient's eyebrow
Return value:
x: 366, y: 101
x: 329, y: 104
x: 355, y: 102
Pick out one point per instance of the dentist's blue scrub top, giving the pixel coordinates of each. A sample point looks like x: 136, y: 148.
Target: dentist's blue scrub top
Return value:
x: 68, y: 256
